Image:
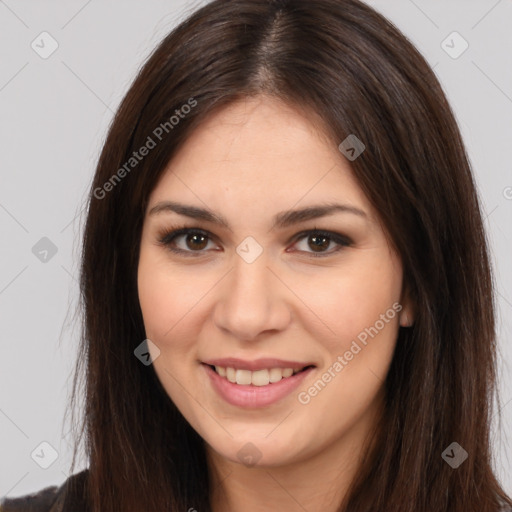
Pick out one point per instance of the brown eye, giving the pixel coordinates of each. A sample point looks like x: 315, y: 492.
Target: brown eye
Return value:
x: 317, y: 242
x: 186, y: 241
x: 196, y: 241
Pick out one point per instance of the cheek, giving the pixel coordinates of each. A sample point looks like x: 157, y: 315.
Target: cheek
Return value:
x: 167, y: 295
x: 354, y: 302
x: 166, y: 302
x: 157, y: 303
x: 163, y: 297
x: 172, y: 302
x: 361, y: 309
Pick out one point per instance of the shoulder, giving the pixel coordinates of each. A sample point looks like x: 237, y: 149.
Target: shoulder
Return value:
x: 70, y: 496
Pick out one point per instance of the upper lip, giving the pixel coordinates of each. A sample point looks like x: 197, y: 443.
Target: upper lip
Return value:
x: 257, y: 364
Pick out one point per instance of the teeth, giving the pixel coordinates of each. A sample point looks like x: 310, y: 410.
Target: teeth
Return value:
x: 221, y: 371
x: 256, y: 378
x: 243, y: 377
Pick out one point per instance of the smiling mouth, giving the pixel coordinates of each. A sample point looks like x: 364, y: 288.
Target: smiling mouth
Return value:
x: 256, y: 378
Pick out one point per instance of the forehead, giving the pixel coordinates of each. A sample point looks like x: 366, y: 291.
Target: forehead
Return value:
x: 259, y: 151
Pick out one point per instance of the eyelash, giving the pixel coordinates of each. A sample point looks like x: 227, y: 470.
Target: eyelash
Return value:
x: 166, y: 237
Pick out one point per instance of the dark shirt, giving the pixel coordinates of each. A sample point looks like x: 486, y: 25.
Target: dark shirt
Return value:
x: 68, y: 497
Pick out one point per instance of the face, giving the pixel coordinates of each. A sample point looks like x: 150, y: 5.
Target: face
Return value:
x: 254, y: 286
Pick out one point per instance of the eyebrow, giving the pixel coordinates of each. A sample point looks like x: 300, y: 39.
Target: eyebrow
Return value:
x: 280, y: 220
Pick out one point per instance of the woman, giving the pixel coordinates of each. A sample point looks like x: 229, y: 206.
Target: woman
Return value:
x: 285, y: 279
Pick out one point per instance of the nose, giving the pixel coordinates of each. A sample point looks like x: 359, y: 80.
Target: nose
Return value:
x: 252, y: 300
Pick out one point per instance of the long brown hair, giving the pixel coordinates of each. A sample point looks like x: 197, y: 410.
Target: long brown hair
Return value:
x: 356, y: 72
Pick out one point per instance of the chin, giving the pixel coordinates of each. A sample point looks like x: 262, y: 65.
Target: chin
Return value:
x: 257, y: 451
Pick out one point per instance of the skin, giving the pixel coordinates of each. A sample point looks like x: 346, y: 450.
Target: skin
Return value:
x: 248, y: 162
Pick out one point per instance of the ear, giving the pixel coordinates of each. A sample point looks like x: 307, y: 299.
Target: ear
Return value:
x: 407, y: 314
x: 405, y: 319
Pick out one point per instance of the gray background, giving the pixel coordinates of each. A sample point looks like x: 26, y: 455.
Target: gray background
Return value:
x: 54, y: 114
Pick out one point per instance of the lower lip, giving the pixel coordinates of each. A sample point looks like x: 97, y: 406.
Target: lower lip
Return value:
x: 254, y: 396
